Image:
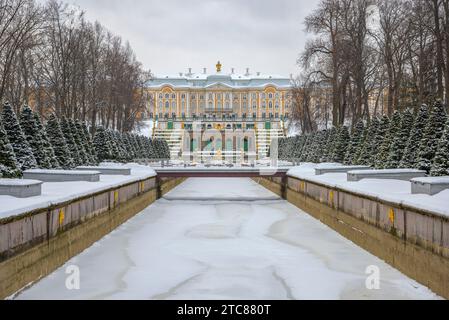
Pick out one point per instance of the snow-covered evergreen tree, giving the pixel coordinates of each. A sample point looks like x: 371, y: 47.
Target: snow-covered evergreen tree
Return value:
x: 400, y: 140
x: 71, y: 143
x: 83, y: 130
x: 410, y: 156
x: 331, y: 143
x: 381, y: 143
x: 59, y: 143
x: 341, y: 146
x: 432, y: 134
x: 22, y: 150
x: 84, y: 158
x: 102, y: 145
x: 384, y: 149
x: 440, y: 165
x: 8, y: 162
x: 46, y: 145
x: 34, y: 137
x: 367, y: 153
x: 355, y: 142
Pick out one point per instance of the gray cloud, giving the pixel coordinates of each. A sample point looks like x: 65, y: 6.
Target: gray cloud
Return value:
x: 171, y: 35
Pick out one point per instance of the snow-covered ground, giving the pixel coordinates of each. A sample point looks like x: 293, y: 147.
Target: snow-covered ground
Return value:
x: 219, y: 249
x: 59, y: 192
x: 395, y: 191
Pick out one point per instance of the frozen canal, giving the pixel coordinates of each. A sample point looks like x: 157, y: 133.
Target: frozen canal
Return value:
x: 225, y: 239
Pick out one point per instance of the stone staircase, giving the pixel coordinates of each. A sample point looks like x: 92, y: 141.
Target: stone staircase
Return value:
x: 173, y: 138
x: 264, y: 137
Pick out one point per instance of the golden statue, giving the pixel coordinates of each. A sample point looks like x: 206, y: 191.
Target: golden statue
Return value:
x: 218, y: 66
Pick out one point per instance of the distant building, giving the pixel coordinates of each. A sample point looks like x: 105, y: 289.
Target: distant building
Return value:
x: 220, y: 101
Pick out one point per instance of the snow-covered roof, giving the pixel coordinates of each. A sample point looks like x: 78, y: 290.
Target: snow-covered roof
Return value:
x: 231, y: 80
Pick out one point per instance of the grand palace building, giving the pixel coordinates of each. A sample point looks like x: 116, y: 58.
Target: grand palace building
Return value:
x: 256, y: 104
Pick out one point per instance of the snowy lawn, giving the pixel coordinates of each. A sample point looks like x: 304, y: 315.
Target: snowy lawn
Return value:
x: 58, y: 192
x: 395, y: 191
x: 218, y: 249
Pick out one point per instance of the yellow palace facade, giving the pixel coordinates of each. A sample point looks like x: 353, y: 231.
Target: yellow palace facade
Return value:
x: 220, y: 101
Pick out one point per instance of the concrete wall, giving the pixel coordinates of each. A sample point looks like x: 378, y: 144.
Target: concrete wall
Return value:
x: 413, y: 241
x: 35, y: 244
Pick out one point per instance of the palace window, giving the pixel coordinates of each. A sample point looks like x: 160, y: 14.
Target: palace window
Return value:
x: 254, y: 115
x: 264, y: 96
x: 227, y: 96
x: 173, y: 96
x: 245, y: 96
x: 211, y: 97
x: 160, y: 95
x: 201, y: 97
x: 193, y: 96
x: 183, y: 96
x: 160, y: 104
x: 167, y: 104
x: 173, y: 105
x: 167, y: 96
x: 270, y: 105
x: 264, y: 115
x: 277, y: 95
x: 211, y: 106
x: 254, y: 96
x: 270, y: 96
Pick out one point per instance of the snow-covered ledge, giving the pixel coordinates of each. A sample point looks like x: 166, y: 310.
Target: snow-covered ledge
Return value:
x: 395, y: 174
x: 320, y: 170
x: 107, y: 170
x: 429, y: 185
x: 19, y: 188
x: 62, y: 175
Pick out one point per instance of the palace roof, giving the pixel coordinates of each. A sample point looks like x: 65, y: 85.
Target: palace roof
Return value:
x: 231, y: 80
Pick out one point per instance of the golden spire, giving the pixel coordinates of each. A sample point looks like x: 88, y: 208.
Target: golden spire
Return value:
x: 218, y: 66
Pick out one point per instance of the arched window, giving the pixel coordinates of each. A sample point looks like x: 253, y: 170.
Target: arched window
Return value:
x: 173, y: 96
x: 270, y: 96
x: 270, y: 105
x: 211, y: 105
x: 173, y: 105
x: 167, y: 96
x: 167, y: 104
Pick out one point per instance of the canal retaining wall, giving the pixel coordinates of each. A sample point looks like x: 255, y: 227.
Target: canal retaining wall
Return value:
x: 410, y: 239
x: 34, y: 244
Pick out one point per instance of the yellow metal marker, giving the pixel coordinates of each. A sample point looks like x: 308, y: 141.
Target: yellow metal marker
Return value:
x: 61, y: 217
x: 391, y: 216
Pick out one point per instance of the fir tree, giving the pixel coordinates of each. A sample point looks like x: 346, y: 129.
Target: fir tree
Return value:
x: 82, y: 127
x: 8, y: 162
x: 102, y: 145
x: 34, y: 137
x: 389, y: 135
x: 71, y: 144
x: 19, y: 143
x: 381, y: 141
x: 410, y: 156
x: 341, y: 146
x: 329, y: 145
x: 48, y: 148
x: 440, y: 166
x: 80, y: 143
x: 59, y: 143
x: 367, y: 154
x: 355, y: 142
x: 400, y: 140
x: 432, y: 134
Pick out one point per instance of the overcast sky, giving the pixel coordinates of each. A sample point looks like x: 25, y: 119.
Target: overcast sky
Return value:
x: 170, y: 36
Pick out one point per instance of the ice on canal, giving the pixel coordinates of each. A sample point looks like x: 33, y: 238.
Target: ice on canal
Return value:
x: 225, y: 239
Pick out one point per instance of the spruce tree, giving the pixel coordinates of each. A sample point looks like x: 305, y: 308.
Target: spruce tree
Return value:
x: 384, y: 149
x: 71, y: 144
x: 355, y: 142
x: 341, y: 147
x: 59, y: 143
x: 102, y: 145
x: 381, y: 142
x: 432, y: 134
x: 48, y: 148
x: 34, y: 137
x: 82, y: 127
x: 410, y: 156
x: 22, y: 150
x: 367, y: 153
x: 400, y: 140
x: 8, y: 162
x: 80, y: 144
x: 440, y: 165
